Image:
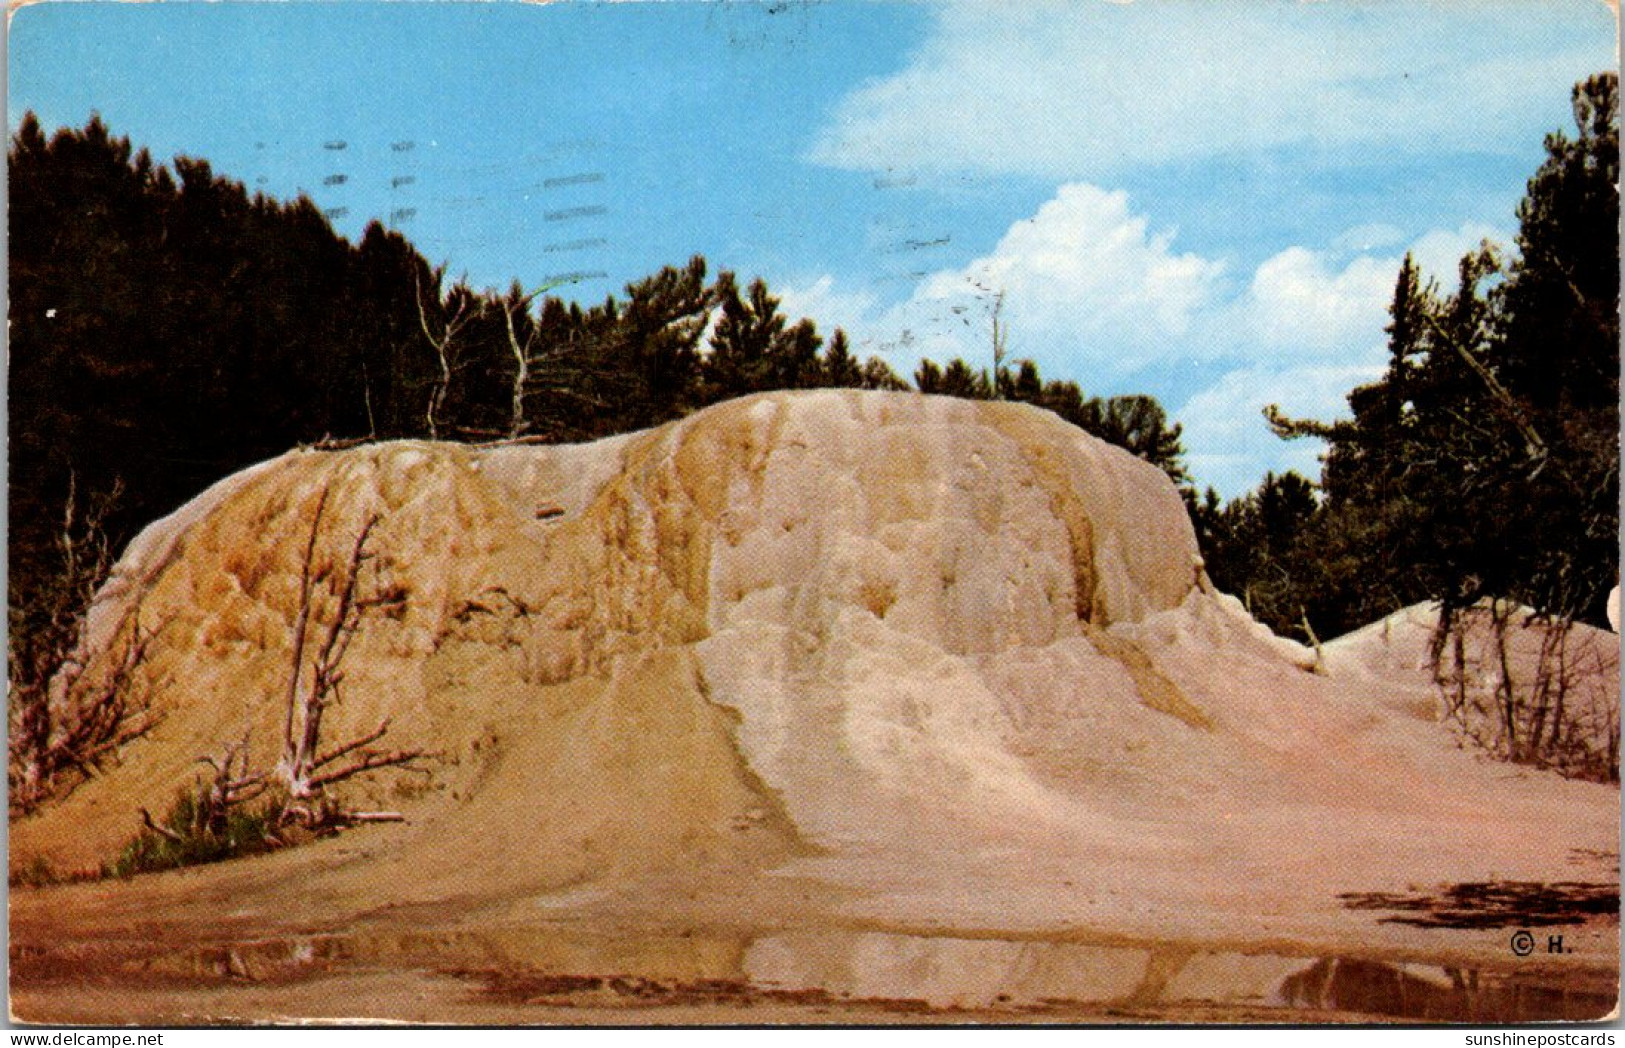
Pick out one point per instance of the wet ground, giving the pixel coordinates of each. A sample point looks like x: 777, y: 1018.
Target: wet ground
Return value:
x: 561, y: 975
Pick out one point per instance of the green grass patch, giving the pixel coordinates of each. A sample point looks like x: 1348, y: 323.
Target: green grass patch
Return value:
x: 246, y: 832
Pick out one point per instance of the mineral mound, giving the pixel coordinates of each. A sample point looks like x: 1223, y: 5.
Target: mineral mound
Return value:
x: 856, y: 656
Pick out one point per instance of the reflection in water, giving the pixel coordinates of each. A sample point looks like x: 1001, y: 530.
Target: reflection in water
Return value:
x: 980, y: 973
x: 528, y: 969
x: 1438, y: 994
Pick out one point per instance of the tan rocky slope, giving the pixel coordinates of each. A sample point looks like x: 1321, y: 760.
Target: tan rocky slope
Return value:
x: 892, y: 657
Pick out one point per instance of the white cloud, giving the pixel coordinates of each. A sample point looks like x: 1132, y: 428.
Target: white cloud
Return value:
x: 1073, y: 90
x: 1298, y: 300
x: 1086, y: 283
x: 1090, y: 288
x: 829, y: 307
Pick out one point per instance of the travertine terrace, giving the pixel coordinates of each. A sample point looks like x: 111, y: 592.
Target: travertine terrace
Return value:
x: 800, y: 661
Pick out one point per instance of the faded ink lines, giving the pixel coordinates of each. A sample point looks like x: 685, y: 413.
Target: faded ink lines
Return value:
x: 555, y: 200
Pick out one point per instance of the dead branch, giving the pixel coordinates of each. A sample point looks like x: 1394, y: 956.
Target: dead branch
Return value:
x: 233, y: 784
x: 301, y: 624
x: 91, y: 759
x: 332, y: 755
x: 340, y: 443
x: 505, y: 442
x: 1314, y: 641
x: 1515, y: 414
x: 163, y: 831
x: 371, y: 761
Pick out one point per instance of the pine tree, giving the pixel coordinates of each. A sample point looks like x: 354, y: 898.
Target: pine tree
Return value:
x: 658, y: 340
x: 928, y: 377
x: 743, y: 343
x: 1138, y: 424
x: 1555, y: 349
x: 794, y: 355
x: 839, y: 368
x: 959, y: 379
x: 877, y: 374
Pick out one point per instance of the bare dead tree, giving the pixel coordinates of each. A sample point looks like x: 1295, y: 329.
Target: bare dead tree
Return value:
x: 301, y: 625
x: 331, y: 609
x: 1549, y: 690
x: 568, y: 379
x: 1506, y: 687
x: 1001, y: 350
x: 443, y: 343
x: 65, y: 720
x: 315, y: 683
x: 95, y: 718
x: 525, y: 357
x: 521, y: 359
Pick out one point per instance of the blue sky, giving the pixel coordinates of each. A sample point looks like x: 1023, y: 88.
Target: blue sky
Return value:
x: 1206, y: 202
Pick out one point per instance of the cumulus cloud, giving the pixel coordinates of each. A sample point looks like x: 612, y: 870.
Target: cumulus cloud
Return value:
x: 1298, y: 299
x: 1090, y: 287
x: 1085, y: 274
x: 1078, y: 90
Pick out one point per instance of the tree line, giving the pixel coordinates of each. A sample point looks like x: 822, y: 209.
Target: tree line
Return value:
x: 168, y: 328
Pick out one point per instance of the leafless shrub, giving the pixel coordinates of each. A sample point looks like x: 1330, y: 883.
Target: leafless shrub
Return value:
x: 1532, y: 689
x: 66, y: 717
